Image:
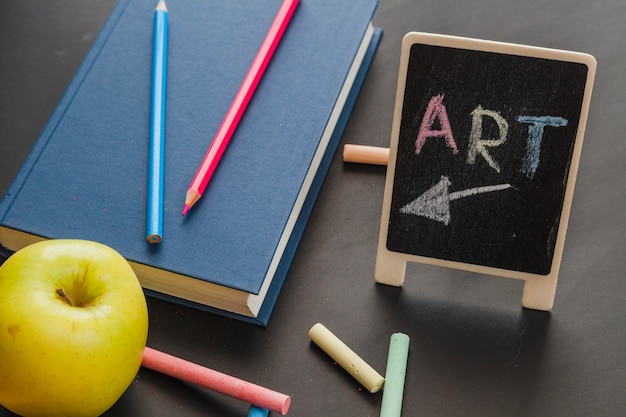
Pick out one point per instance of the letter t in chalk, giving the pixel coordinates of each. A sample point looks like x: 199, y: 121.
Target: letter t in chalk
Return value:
x: 350, y: 361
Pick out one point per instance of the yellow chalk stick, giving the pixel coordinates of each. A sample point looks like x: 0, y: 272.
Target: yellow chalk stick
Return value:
x: 362, y: 154
x: 350, y: 361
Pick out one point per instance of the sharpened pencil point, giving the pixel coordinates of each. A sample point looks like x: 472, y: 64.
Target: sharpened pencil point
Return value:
x: 161, y: 6
x: 190, y: 199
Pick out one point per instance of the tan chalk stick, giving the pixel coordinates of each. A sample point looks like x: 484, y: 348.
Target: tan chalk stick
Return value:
x: 362, y: 154
x: 350, y: 361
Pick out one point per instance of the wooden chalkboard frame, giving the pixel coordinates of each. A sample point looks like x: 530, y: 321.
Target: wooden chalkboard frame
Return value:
x: 540, y: 286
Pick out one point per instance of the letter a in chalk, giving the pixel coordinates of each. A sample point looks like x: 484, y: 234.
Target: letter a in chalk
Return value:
x: 435, y: 110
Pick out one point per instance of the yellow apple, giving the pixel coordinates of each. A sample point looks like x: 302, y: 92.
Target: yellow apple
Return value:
x: 73, y: 327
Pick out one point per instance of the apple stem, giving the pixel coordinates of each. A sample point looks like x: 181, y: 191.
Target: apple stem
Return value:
x: 61, y: 293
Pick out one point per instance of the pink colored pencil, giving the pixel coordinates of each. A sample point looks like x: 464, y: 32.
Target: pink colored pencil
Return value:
x: 216, y: 381
x: 239, y: 104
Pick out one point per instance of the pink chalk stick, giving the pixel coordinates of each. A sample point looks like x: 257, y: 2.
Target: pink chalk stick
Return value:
x: 216, y: 381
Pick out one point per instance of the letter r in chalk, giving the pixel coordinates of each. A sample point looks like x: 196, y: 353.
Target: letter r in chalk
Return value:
x: 435, y: 110
x: 477, y: 145
x: 535, y: 136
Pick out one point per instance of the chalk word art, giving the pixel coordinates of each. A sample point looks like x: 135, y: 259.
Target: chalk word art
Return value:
x: 484, y: 152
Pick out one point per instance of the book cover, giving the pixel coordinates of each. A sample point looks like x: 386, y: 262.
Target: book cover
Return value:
x: 86, y: 176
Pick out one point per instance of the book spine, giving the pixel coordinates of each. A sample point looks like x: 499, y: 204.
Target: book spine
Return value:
x: 59, y: 111
x: 307, y: 208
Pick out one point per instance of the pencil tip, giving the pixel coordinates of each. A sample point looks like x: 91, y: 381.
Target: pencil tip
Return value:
x: 161, y: 5
x: 190, y: 199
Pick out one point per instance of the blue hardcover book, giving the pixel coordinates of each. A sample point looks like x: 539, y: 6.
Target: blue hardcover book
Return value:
x: 86, y: 176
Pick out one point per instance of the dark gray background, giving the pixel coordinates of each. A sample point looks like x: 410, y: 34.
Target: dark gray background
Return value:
x: 474, y: 350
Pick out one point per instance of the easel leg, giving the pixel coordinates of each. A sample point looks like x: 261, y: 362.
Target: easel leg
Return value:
x: 539, y: 292
x: 390, y: 268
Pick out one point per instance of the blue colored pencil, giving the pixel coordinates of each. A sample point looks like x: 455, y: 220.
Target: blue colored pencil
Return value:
x: 258, y: 412
x: 154, y: 232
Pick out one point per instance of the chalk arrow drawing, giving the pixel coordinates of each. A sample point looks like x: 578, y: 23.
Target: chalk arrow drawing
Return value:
x: 434, y: 204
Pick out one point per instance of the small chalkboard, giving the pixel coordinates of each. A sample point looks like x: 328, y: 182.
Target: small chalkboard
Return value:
x: 484, y: 151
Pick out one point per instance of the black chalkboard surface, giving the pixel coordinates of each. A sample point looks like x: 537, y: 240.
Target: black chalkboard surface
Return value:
x: 483, y: 159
